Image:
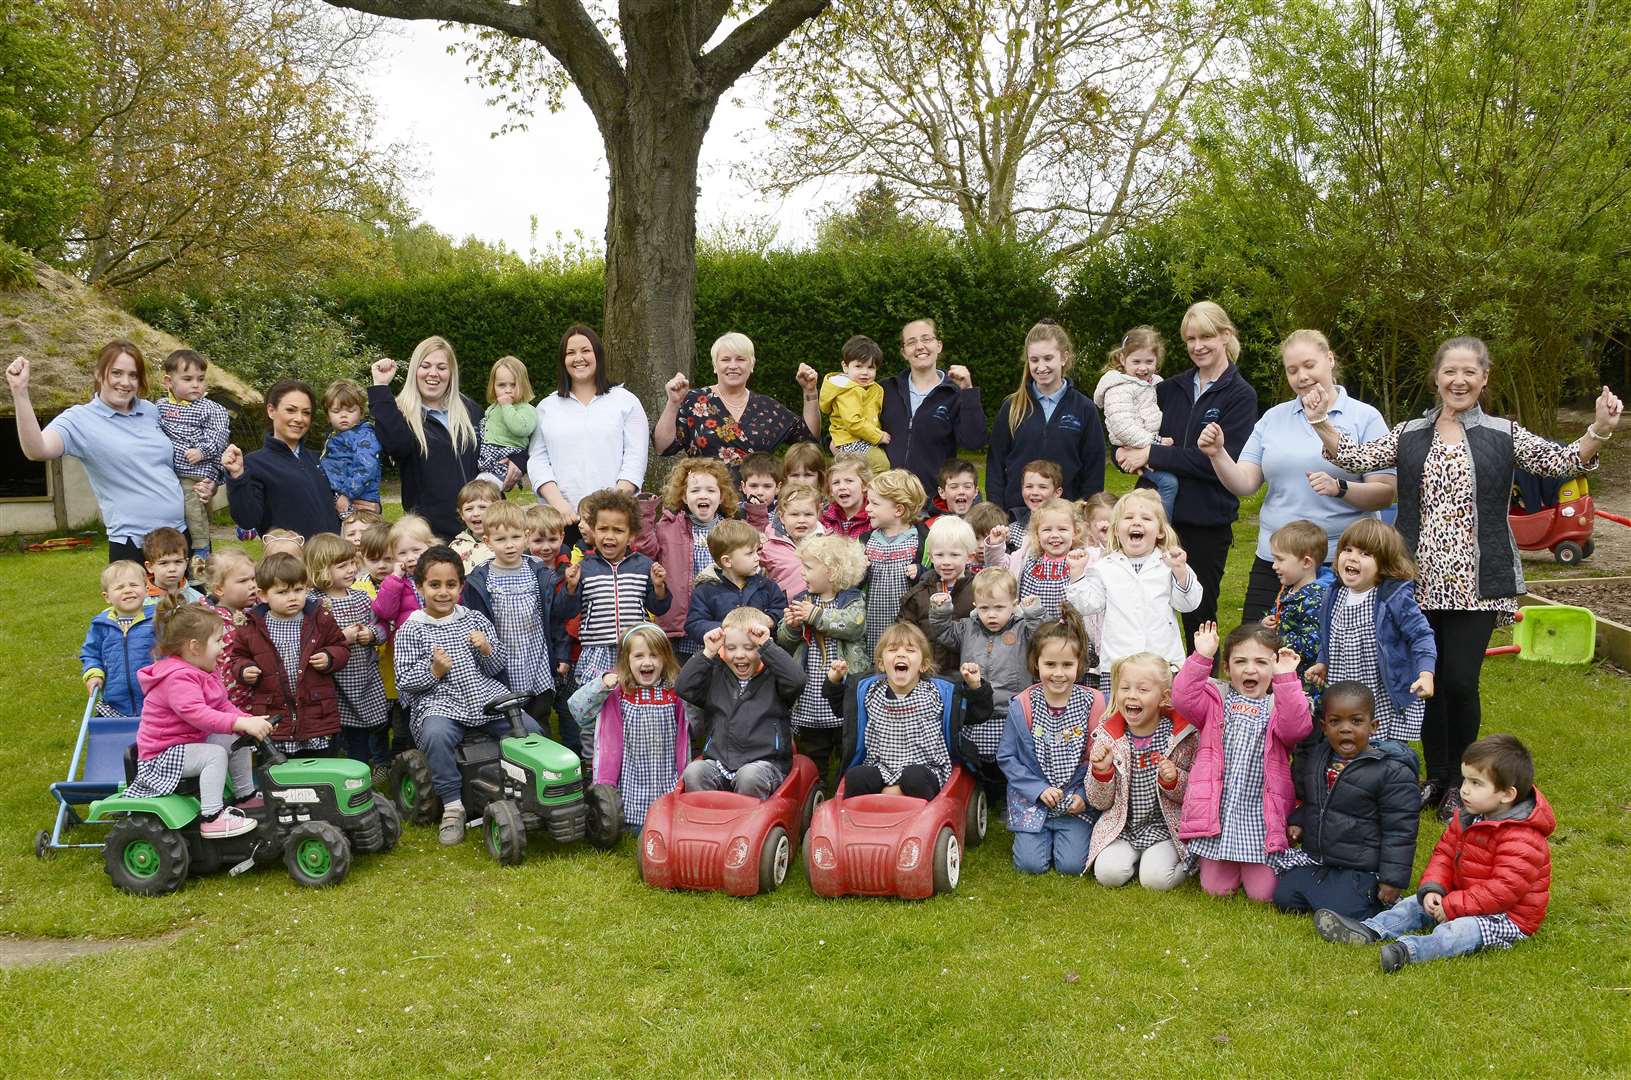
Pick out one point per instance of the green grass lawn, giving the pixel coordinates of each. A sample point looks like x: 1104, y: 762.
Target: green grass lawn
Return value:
x: 436, y: 961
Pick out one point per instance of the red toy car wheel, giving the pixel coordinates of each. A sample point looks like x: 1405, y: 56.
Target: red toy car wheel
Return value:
x: 948, y: 861
x: 774, y: 859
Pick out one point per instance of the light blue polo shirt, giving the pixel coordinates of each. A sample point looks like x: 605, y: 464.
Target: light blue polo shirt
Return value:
x: 128, y: 459
x: 1050, y: 402
x: 1285, y: 447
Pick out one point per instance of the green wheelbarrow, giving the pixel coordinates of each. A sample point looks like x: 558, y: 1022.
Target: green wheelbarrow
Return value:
x: 1555, y: 633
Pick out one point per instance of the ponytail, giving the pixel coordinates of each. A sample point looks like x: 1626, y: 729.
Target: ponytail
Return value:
x: 175, y: 623
x: 1069, y: 628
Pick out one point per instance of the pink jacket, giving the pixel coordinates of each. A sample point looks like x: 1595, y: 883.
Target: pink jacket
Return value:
x: 665, y: 536
x: 1199, y: 700
x: 394, y: 601
x: 181, y: 704
x: 778, y: 556
x: 608, y: 764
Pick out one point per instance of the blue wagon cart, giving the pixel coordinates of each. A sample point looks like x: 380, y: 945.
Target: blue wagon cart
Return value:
x: 96, y: 771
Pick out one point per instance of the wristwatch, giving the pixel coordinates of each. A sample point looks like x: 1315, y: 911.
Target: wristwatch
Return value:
x: 1342, y: 488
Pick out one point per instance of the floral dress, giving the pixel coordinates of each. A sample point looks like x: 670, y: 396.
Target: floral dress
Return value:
x: 704, y: 427
x: 1446, y: 551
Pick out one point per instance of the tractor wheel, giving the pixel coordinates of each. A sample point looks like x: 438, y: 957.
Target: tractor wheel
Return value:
x: 317, y: 854
x: 605, y: 825
x: 42, y: 843
x: 390, y: 822
x: 369, y: 835
x: 975, y: 818
x: 812, y: 802
x: 145, y: 858
x: 504, y: 832
x: 948, y: 861
x: 1568, y: 553
x: 409, y: 785
x: 774, y: 859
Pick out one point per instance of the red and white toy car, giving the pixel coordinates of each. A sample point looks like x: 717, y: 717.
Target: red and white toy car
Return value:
x: 721, y: 841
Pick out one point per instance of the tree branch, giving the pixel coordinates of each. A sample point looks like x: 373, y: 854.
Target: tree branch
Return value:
x: 750, y: 42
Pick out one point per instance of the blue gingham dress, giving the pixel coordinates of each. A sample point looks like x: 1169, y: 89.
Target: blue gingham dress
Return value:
x: 518, y: 616
x: 649, y: 728
x: 1058, y: 737
x: 902, y: 731
x: 1498, y: 931
x: 463, y: 693
x: 811, y: 709
x: 159, y: 774
x: 1146, y: 827
x: 285, y: 635
x: 1354, y: 655
x: 887, y: 582
x: 361, y: 691
x: 1046, y: 579
x: 1244, y: 837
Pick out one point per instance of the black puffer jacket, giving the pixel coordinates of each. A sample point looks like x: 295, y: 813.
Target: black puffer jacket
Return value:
x: 1366, y: 820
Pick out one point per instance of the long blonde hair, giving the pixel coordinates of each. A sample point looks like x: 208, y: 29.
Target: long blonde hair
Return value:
x: 412, y: 407
x: 1020, y: 405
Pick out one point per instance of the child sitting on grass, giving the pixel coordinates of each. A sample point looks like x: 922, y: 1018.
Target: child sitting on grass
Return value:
x: 508, y: 424
x: 164, y: 551
x: 449, y: 665
x: 827, y: 622
x: 1489, y: 879
x: 1044, y: 753
x: 638, y: 722
x: 364, y: 708
x: 350, y: 457
x: 473, y: 500
x: 1240, y: 791
x: 188, y: 726
x: 896, y: 724
x: 1137, y: 775
x: 200, y: 430
x: 1356, y: 817
x: 745, y: 685
x: 119, y: 641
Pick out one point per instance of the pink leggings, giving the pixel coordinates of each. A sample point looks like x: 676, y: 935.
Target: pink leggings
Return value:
x: 1222, y: 878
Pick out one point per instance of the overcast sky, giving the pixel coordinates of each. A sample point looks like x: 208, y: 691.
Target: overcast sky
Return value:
x: 473, y: 184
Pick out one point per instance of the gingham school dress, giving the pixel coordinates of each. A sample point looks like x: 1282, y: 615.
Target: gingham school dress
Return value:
x: 1244, y: 837
x: 463, y: 693
x: 811, y: 709
x: 648, y: 750
x: 520, y: 624
x: 362, y: 694
x: 1353, y: 655
x: 159, y: 774
x: 285, y: 635
x: 1146, y: 827
x: 1058, y: 736
x: 887, y: 583
x: 902, y: 731
x: 1046, y: 579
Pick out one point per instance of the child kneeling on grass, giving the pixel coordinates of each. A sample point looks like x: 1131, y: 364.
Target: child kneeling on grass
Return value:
x: 1490, y: 876
x: 641, y: 739
x: 1240, y: 792
x: 896, y: 735
x: 745, y: 685
x: 188, y: 726
x: 449, y: 665
x: 1138, y: 774
x: 1044, y: 752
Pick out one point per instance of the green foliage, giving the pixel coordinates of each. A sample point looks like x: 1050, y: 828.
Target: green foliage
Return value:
x: 422, y: 250
x: 16, y: 267
x: 43, y: 178
x: 874, y: 218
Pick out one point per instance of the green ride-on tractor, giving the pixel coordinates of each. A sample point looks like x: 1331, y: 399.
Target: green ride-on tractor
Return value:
x: 317, y: 812
x: 512, y: 786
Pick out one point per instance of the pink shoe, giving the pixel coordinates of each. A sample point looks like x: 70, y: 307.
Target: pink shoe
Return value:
x: 229, y: 822
x: 254, y: 802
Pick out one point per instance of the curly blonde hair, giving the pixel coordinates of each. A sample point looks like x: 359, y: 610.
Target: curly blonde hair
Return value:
x: 843, y: 558
x: 674, y: 486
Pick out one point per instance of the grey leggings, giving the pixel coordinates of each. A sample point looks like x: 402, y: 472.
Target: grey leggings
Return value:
x: 209, y: 761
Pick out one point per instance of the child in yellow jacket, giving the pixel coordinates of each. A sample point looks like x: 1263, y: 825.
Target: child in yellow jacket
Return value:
x: 853, y: 402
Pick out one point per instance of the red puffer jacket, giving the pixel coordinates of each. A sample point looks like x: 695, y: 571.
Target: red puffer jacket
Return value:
x: 1496, y: 865
x: 315, y: 708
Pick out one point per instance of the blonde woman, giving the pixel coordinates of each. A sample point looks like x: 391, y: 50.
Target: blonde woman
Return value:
x: 431, y: 429
x: 1047, y: 418
x: 727, y: 420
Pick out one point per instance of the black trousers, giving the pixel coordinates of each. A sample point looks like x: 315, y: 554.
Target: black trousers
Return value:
x: 1309, y: 888
x: 1208, y: 549
x: 918, y: 781
x: 1262, y: 589
x: 120, y: 549
x: 1453, y: 712
x: 821, y: 746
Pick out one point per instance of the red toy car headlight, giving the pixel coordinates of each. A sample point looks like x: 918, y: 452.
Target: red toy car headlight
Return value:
x: 910, y: 852
x: 656, y: 850
x: 821, y: 854
x: 736, y: 855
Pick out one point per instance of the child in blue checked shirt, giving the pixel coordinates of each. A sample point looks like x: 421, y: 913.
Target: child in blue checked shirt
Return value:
x: 351, y: 454
x: 200, y: 429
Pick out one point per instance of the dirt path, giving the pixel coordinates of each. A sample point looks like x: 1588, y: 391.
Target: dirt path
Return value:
x: 29, y: 952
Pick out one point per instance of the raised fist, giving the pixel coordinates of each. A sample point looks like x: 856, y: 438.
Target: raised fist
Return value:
x: 383, y: 370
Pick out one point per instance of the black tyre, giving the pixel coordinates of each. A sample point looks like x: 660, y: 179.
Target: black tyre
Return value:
x: 605, y: 824
x: 409, y: 786
x: 811, y: 802
x: 504, y: 832
x: 317, y: 854
x: 145, y: 858
x: 976, y: 818
x: 1589, y: 549
x: 948, y: 861
x: 368, y: 837
x: 390, y: 823
x: 42, y: 843
x: 1568, y: 553
x: 774, y: 859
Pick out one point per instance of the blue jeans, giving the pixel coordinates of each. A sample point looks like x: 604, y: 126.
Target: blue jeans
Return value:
x: 441, y: 736
x: 1062, y: 845
x: 366, y: 744
x: 1454, y: 937
x: 1166, y: 486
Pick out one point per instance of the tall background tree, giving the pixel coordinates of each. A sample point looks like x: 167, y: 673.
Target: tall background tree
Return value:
x: 1049, y: 120
x: 44, y: 175
x: 652, y: 82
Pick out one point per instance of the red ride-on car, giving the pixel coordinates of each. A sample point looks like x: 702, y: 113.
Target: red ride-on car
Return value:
x: 1553, y: 515
x: 719, y: 840
x: 895, y: 845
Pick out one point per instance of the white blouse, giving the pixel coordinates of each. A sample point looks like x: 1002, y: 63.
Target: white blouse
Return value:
x: 584, y: 448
